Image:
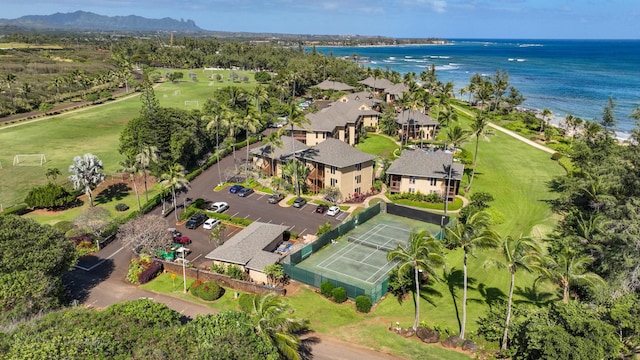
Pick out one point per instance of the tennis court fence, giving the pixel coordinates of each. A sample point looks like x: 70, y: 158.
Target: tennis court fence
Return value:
x: 314, y: 279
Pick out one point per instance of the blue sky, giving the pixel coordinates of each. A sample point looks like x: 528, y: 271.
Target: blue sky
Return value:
x: 533, y: 19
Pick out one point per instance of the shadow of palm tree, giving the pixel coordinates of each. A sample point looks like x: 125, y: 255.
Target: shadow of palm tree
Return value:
x: 533, y: 296
x: 491, y: 295
x: 427, y: 291
x: 454, y: 278
x: 115, y: 191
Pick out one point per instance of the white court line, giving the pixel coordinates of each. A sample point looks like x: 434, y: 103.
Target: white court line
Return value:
x: 99, y: 262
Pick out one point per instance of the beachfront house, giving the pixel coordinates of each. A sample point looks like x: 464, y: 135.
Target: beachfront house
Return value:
x: 252, y: 249
x: 334, y: 163
x: 332, y: 85
x: 416, y: 125
x: 343, y: 120
x: 270, y: 159
x: 376, y: 85
x: 394, y: 93
x: 419, y: 171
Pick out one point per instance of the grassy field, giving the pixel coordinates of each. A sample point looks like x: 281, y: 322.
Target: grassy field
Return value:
x: 378, y: 145
x: 95, y: 130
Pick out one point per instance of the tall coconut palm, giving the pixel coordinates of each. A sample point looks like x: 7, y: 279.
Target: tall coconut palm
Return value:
x: 131, y: 167
x: 215, y: 115
x: 546, y: 114
x: 250, y: 122
x: 479, y: 130
x: 86, y: 174
x: 457, y: 136
x: 422, y: 254
x: 147, y: 157
x: 174, y: 179
x: 260, y: 96
x: 295, y: 118
x: 471, y: 234
x: 269, y: 315
x: 568, y: 268
x: 519, y: 253
x: 271, y: 143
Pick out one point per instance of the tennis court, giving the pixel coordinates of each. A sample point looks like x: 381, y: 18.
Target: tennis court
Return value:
x: 360, y: 256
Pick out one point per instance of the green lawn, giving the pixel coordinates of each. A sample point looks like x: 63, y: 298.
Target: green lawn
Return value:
x: 378, y: 145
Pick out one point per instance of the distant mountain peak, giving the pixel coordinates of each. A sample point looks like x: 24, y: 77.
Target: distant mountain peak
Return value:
x: 83, y: 20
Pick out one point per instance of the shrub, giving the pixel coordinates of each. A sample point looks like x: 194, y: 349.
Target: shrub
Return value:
x: 241, y: 221
x: 49, y: 196
x: 136, y: 267
x: 217, y: 268
x: 150, y: 272
x: 363, y: 304
x: 63, y: 226
x: 199, y: 203
x: 556, y: 156
x: 326, y: 289
x: 208, y: 291
x: 339, y: 295
x: 122, y: 207
x: 234, y: 272
x: 324, y: 228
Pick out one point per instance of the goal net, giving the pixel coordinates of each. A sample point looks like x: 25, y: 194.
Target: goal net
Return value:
x: 29, y: 159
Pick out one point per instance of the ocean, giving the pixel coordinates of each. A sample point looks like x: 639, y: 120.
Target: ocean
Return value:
x: 565, y: 76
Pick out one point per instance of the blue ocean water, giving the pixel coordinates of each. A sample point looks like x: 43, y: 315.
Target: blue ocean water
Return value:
x: 566, y: 76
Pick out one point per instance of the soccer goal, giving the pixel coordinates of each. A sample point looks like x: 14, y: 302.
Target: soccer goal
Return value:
x: 29, y: 159
x: 191, y: 103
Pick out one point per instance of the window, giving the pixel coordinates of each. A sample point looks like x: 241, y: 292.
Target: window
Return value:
x: 357, y: 190
x: 412, y: 191
x: 358, y: 179
x: 334, y: 182
x: 358, y: 167
x: 317, y: 135
x: 412, y: 180
x: 333, y: 170
x: 433, y: 181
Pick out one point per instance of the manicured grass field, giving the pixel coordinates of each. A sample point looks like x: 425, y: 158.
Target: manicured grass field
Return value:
x: 95, y: 130
x: 379, y: 145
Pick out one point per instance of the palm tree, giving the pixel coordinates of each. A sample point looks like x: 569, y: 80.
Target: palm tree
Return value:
x: 53, y: 173
x: 470, y: 234
x: 174, y: 179
x: 131, y: 167
x: 10, y: 79
x: 569, y: 268
x: 423, y: 254
x: 260, y: 96
x: 296, y: 172
x: 295, y: 118
x: 148, y: 156
x: 273, y: 141
x: 519, y: 254
x: 215, y: 116
x: 546, y: 113
x: 479, y: 130
x: 269, y: 315
x: 86, y: 174
x: 457, y: 136
x: 250, y: 122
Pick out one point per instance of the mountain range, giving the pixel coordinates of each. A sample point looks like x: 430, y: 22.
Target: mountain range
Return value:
x: 82, y: 20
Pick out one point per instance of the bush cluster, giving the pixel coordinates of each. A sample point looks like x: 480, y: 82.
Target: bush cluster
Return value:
x: 208, y: 291
x: 217, y: 268
x: 363, y: 304
x: 326, y: 289
x: 122, y: 207
x: 234, y: 272
x: 556, y: 156
x: 150, y: 272
x: 418, y: 196
x: 136, y: 267
x: 339, y: 295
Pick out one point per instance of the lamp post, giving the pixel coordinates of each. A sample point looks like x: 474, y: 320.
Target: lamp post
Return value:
x: 184, y: 271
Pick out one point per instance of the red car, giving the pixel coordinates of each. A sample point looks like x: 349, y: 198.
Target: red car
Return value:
x: 322, y: 208
x: 182, y: 240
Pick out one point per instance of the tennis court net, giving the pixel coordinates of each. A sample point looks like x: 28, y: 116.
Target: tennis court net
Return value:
x: 383, y: 247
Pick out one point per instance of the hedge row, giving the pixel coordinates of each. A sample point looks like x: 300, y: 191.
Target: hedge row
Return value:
x: 149, y: 273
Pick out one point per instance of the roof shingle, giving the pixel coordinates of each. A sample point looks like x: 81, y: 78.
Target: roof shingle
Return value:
x: 423, y: 164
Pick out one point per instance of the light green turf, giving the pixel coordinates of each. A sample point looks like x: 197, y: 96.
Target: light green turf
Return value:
x: 378, y: 145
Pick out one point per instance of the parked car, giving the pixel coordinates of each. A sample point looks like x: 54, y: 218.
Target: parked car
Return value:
x: 275, y: 198
x: 235, y: 188
x: 219, y: 206
x: 333, y: 211
x: 244, y: 192
x: 299, y: 202
x: 210, y: 224
x: 322, y: 208
x: 196, y: 220
x: 182, y: 240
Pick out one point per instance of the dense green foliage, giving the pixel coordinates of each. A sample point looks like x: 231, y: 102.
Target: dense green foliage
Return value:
x: 140, y: 329
x: 363, y: 303
x: 33, y: 259
x: 207, y: 290
x: 339, y: 294
x: 49, y: 196
x: 326, y: 289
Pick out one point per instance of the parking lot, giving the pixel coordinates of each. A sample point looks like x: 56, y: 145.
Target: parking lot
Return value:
x: 254, y: 207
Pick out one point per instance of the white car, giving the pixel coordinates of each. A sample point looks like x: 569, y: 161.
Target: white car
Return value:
x: 333, y: 211
x: 210, y: 224
x: 218, y: 207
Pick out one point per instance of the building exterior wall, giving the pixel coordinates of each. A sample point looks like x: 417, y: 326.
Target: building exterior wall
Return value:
x: 258, y: 277
x: 370, y: 121
x: 315, y: 137
x: 346, y: 178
